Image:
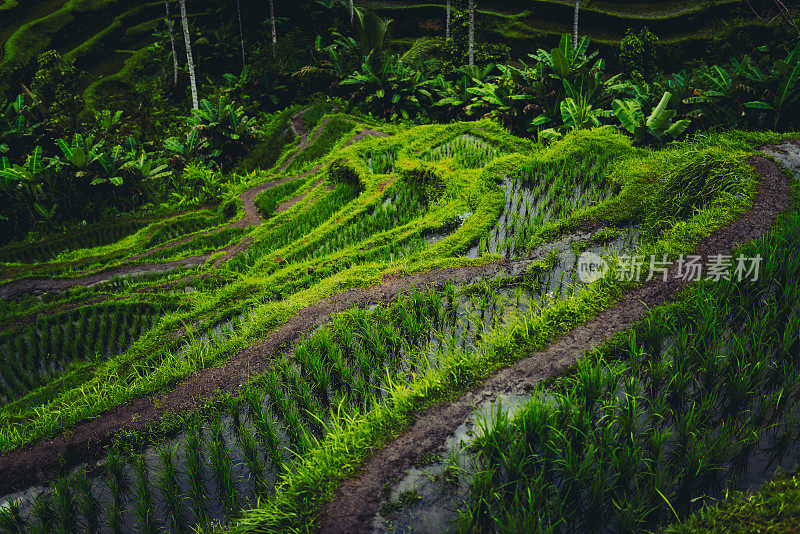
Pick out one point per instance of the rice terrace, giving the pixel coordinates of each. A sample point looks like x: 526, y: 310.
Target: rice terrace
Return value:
x: 380, y: 266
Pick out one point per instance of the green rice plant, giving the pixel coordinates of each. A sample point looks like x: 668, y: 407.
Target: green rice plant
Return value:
x: 100, y: 341
x: 144, y: 502
x: 64, y: 505
x: 70, y: 347
x: 113, y: 333
x: 44, y: 517
x: 194, y: 474
x: 273, y: 388
x: 342, y: 373
x: 221, y: 466
x: 87, y: 504
x: 115, y: 479
x: 302, y: 223
x: 168, y: 486
x: 381, y: 162
x: 247, y: 442
x: 268, y: 435
x: 11, y: 521
x: 401, y: 206
x: 466, y: 150
x: 290, y: 414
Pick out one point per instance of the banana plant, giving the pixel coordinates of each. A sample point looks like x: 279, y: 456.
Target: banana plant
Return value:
x: 26, y: 174
x: 565, y: 60
x: 679, y: 86
x: 395, y: 89
x: 583, y: 106
x: 225, y: 126
x: 113, y: 164
x: 15, y: 124
x: 716, y: 100
x: 81, y: 152
x: 787, y: 93
x: 29, y: 178
x: 575, y: 115
x: 45, y: 213
x: 107, y: 120
x: 457, y: 93
x: 15, y: 115
x: 658, y: 126
x: 192, y: 147
x: 184, y: 149
x: 500, y: 98
x: 146, y: 169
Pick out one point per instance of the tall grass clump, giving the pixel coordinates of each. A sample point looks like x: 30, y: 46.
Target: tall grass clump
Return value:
x: 702, y: 175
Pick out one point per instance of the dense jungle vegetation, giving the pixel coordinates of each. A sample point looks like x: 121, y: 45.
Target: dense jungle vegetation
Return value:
x: 272, y: 266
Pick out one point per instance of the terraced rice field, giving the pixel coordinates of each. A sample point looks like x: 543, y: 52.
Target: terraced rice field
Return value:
x: 232, y: 371
x: 684, y: 28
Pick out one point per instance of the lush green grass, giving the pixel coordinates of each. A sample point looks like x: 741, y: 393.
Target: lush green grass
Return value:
x: 773, y: 509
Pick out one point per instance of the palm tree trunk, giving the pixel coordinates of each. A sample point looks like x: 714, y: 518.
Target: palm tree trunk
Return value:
x: 471, y: 33
x: 447, y: 23
x: 352, y: 13
x: 241, y: 31
x: 172, y: 42
x: 274, y: 31
x: 575, y: 24
x: 188, y: 42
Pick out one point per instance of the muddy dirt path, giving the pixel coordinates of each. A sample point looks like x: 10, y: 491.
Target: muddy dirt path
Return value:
x: 251, y: 217
x: 357, y: 501
x: 298, y: 128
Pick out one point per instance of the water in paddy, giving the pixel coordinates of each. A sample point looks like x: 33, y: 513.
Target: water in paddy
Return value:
x: 381, y: 162
x: 428, y: 497
x: 43, y: 351
x: 531, y: 204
